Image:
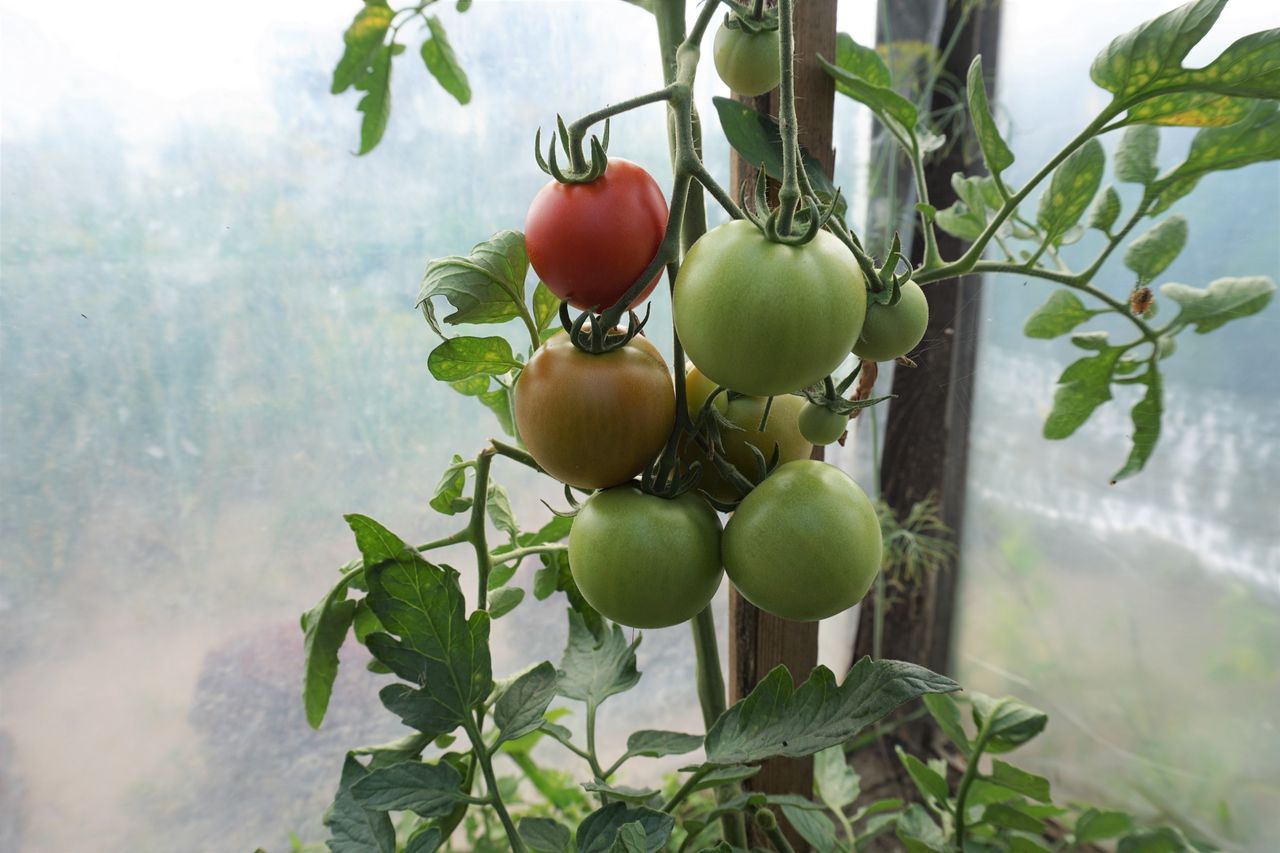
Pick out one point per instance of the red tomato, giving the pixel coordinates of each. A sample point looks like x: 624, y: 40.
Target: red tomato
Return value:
x: 590, y: 242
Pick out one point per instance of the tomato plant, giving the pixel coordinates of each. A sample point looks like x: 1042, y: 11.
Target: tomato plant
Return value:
x: 749, y: 62
x: 769, y: 304
x: 772, y: 345
x: 594, y: 421
x: 589, y: 242
x: 646, y: 561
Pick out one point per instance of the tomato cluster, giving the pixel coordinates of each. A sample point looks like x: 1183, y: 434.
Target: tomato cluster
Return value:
x: 761, y: 320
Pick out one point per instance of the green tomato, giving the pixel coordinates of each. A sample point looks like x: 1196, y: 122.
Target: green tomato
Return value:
x: 765, y: 318
x: 805, y: 544
x: 892, y: 331
x: 781, y: 431
x: 820, y: 425
x: 645, y: 561
x: 748, y: 63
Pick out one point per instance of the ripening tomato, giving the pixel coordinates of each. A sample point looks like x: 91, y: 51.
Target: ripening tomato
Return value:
x: 892, y: 331
x: 595, y: 421
x: 805, y: 544
x: 781, y: 431
x: 748, y: 63
x: 645, y: 561
x: 590, y: 242
x: 765, y: 318
x: 820, y: 425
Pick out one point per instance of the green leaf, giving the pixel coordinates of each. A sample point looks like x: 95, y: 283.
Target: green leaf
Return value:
x: 1027, y: 784
x: 597, y: 833
x: 555, y: 576
x: 407, y: 748
x: 553, y: 531
x: 918, y: 832
x: 995, y: 152
x: 472, y: 386
x: 429, y: 643
x: 1022, y: 844
x: 426, y: 839
x: 376, y: 102
x: 1012, y: 723
x: 958, y: 221
x: 780, y: 719
x: 546, y: 308
x: 813, y: 826
x: 458, y: 358
x: 427, y: 790
x: 1083, y: 387
x: 928, y: 782
x: 1060, y: 314
x: 834, y: 780
x: 1093, y: 826
x: 887, y: 104
x: 1253, y: 139
x: 758, y: 139
x: 596, y: 667
x: 1073, y: 185
x: 500, y: 512
x: 374, y: 541
x: 1146, y: 415
x: 440, y: 60
x: 499, y: 577
x: 543, y: 835
x: 1152, y: 53
x: 861, y: 61
x: 638, y: 796
x: 729, y: 775
x: 946, y: 713
x: 1189, y: 109
x: 1225, y: 299
x: 498, y: 401
x: 520, y: 708
x: 362, y: 39
x: 1010, y: 817
x: 1166, y: 839
x: 448, y: 498
x: 631, y: 838
x: 1105, y: 210
x: 1136, y: 155
x: 324, y: 629
x: 486, y: 286
x: 352, y: 827
x: 1151, y: 254
x: 652, y: 743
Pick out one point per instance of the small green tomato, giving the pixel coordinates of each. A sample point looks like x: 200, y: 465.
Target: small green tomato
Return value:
x: 892, y: 331
x: 820, y: 425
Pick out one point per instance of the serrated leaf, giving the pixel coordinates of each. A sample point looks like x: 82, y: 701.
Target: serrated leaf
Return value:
x: 498, y: 504
x: 503, y: 601
x: 877, y: 96
x: 500, y: 576
x: 813, y: 826
x: 427, y: 790
x: 596, y: 667
x: 631, y: 839
x: 927, y: 780
x: 1094, y: 342
x: 652, y: 743
x: 861, y: 61
x: 352, y: 827
x: 1151, y: 254
x: 1011, y: 817
x: 1027, y: 784
x: 1105, y: 211
x: 918, y: 832
x: 1136, y: 155
x: 1094, y: 825
x: 1060, y: 314
x: 543, y: 835
x: 1166, y: 839
x: 995, y: 152
x: 407, y: 748
x: 1152, y: 52
x: 1074, y: 184
x: 777, y: 718
x: 959, y: 221
x: 520, y: 708
x: 375, y: 104
x: 1146, y: 415
x: 438, y: 56
x: 1083, y: 387
x: 362, y: 38
x: 485, y: 286
x: 946, y: 713
x: 625, y: 793
x: 324, y: 629
x: 546, y: 308
x: 1224, y: 300
x: 758, y: 139
x: 448, y: 498
x: 458, y: 358
x: 1253, y: 139
x: 598, y: 832
x: 1189, y: 109
x: 835, y: 782
x: 1011, y: 722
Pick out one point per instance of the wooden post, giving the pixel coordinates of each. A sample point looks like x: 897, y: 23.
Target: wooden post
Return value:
x: 759, y: 641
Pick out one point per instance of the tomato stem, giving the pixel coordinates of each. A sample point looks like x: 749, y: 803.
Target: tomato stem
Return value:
x: 789, y: 192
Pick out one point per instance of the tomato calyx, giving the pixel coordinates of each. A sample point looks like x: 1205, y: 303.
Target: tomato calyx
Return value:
x: 585, y: 330
x: 807, y: 223
x: 885, y: 288
x: 705, y: 432
x: 760, y: 20
x: 831, y: 397
x: 580, y: 170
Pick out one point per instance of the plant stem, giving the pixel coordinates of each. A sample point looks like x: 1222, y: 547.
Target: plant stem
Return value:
x: 789, y: 192
x: 476, y: 529
x: 711, y: 692
x: 591, y: 742
x: 529, y: 550
x: 971, y: 772
x: 512, y: 452
x: 480, y: 754
x: 686, y: 789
